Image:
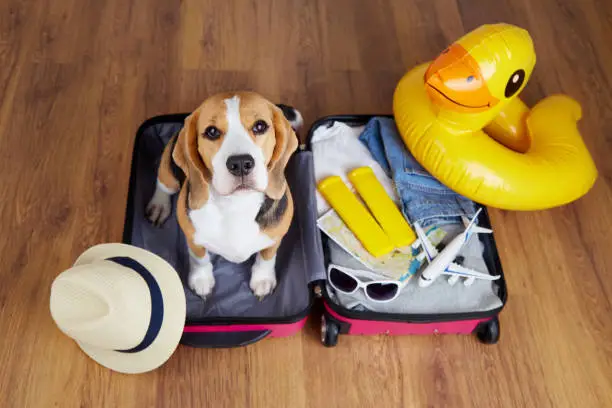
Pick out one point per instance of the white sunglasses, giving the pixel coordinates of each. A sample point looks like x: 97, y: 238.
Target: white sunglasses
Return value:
x: 344, y: 280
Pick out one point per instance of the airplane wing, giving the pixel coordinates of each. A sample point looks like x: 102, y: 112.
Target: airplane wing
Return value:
x: 430, y: 251
x: 472, y: 228
x: 456, y: 269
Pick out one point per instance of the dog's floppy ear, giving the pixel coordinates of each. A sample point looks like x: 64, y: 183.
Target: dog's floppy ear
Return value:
x: 286, y: 144
x: 187, y: 157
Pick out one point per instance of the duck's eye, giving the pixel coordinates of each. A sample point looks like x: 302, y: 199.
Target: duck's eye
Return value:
x: 259, y: 127
x: 470, y: 78
x: 212, y: 133
x: 514, y: 83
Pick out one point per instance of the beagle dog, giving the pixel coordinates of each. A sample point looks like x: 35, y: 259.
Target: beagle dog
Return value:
x: 228, y: 166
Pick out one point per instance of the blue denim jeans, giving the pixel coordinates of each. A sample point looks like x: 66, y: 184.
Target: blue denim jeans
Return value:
x: 424, y: 198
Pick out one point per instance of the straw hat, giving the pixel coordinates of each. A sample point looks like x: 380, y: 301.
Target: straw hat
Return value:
x: 124, y: 306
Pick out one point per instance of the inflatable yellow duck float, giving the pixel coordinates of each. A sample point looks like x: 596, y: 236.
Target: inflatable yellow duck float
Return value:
x: 461, y: 118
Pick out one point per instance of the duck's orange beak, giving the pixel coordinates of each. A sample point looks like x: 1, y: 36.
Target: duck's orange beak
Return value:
x: 454, y: 81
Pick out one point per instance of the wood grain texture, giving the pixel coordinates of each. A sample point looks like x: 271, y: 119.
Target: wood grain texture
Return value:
x: 78, y: 77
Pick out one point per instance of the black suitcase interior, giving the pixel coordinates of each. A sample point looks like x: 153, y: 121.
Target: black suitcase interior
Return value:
x: 299, y: 259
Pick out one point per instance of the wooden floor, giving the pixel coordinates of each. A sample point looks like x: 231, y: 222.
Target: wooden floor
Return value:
x: 78, y: 77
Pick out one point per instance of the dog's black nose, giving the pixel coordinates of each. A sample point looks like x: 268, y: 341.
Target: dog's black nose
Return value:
x: 240, y: 164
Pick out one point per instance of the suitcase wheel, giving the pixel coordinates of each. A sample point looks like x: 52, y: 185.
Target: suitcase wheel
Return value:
x: 329, y: 332
x: 488, y: 332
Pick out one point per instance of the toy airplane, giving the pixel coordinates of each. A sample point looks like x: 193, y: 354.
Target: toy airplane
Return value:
x: 443, y: 263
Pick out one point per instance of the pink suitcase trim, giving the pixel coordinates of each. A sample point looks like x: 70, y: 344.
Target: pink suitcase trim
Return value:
x: 277, y: 329
x: 372, y: 327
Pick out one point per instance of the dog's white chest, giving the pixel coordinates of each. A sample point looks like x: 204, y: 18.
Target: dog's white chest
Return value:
x: 226, y: 226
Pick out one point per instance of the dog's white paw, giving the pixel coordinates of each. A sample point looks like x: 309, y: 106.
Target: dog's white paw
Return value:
x: 262, y: 287
x: 201, y: 280
x: 263, y: 277
x: 159, y: 208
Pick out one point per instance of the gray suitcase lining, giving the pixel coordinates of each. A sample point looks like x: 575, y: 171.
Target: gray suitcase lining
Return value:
x: 300, y: 259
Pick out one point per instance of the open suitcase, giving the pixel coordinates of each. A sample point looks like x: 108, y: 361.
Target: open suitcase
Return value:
x: 233, y: 316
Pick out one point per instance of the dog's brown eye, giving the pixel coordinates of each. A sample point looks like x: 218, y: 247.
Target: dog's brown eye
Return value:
x: 212, y: 133
x: 260, y: 127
